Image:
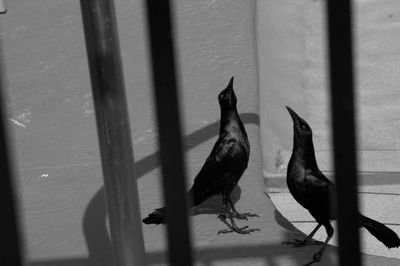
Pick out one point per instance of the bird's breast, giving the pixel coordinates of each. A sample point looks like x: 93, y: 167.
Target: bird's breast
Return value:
x: 295, y: 178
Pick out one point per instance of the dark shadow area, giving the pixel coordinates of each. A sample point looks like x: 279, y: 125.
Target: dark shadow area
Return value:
x: 267, y: 253
x: 208, y: 256
x: 66, y: 262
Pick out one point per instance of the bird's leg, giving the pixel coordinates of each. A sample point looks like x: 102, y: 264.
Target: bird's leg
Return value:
x: 236, y: 214
x: 318, y: 255
x: 301, y: 243
x: 232, y: 226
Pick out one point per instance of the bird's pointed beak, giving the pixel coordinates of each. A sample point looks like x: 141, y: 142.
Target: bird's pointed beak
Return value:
x: 230, y: 85
x: 293, y: 114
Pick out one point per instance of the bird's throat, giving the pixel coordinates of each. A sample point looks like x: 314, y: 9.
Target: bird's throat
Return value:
x: 229, y: 119
x: 304, y: 153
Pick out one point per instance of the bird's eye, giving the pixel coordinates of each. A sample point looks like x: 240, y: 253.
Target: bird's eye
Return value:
x: 303, y: 126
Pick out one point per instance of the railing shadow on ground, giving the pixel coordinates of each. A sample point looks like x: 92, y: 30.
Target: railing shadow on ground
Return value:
x: 271, y: 255
x: 97, y: 238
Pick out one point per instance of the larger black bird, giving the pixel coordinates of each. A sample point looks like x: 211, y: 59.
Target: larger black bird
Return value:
x: 223, y: 167
x: 312, y: 190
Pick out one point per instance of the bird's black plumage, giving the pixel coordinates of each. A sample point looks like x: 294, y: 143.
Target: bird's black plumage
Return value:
x: 312, y: 190
x: 223, y: 167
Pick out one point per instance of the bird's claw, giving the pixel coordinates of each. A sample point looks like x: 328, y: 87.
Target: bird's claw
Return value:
x: 301, y: 243
x: 316, y: 258
x: 226, y: 231
x: 238, y: 230
x: 233, y: 227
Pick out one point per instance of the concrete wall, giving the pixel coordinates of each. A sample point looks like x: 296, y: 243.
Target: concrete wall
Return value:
x: 292, y: 70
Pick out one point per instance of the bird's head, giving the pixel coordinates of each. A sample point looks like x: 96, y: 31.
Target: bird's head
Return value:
x: 227, y: 97
x: 302, y: 131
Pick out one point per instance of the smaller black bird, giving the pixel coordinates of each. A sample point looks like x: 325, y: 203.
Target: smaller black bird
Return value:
x: 223, y: 168
x: 312, y: 190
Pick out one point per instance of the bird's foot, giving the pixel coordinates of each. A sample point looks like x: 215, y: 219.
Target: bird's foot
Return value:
x: 301, y: 243
x: 316, y: 258
x: 239, y: 230
x: 243, y: 216
x: 234, y: 228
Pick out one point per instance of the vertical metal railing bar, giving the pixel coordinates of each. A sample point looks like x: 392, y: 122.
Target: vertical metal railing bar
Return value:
x: 160, y: 30
x: 113, y: 131
x: 12, y: 249
x: 3, y: 9
x: 12, y: 252
x: 339, y: 18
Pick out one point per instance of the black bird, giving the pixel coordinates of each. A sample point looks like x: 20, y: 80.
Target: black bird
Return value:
x: 223, y: 167
x: 312, y: 190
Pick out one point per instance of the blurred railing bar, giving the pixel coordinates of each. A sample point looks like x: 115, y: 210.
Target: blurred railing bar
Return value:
x: 12, y: 248
x: 3, y: 9
x: 116, y: 150
x: 160, y: 30
x: 339, y: 20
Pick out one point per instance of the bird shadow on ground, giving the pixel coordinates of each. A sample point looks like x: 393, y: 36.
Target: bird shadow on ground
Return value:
x: 95, y: 220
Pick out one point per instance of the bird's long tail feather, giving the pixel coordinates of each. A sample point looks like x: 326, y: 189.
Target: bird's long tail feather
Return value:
x: 383, y: 233
x: 156, y: 217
